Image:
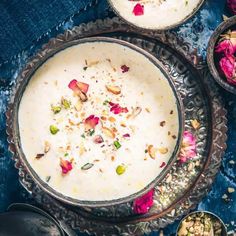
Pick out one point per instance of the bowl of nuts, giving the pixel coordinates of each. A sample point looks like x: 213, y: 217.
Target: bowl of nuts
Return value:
x: 201, y: 223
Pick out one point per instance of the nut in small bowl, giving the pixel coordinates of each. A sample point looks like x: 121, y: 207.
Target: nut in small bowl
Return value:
x: 221, y: 53
x: 201, y: 223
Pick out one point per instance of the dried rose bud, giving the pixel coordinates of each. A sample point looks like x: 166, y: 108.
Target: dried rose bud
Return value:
x: 227, y: 43
x: 232, y: 6
x: 228, y: 67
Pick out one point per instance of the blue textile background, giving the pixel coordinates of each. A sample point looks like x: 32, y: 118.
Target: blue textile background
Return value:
x: 26, y: 24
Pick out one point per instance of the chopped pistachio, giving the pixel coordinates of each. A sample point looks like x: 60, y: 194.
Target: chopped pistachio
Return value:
x: 53, y: 129
x: 66, y: 154
x: 65, y: 103
x: 87, y: 166
x: 83, y: 136
x: 55, y: 109
x: 85, y: 68
x: 48, y: 178
x: 117, y: 144
x: 91, y: 132
x: 105, y: 102
x: 39, y: 155
x: 120, y: 169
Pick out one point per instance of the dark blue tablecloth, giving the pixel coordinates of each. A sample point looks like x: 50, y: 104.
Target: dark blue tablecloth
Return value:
x: 26, y: 24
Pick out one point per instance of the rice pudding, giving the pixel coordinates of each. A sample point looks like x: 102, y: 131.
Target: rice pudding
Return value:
x: 98, y: 121
x: 155, y: 14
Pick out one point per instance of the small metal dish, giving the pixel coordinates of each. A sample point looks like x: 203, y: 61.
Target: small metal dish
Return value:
x: 178, y: 23
x: 212, y: 58
x: 213, y: 217
x: 21, y: 84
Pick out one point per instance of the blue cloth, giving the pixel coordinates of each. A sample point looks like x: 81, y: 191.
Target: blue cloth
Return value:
x: 26, y: 24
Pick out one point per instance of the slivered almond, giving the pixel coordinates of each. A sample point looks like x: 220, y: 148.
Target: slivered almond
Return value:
x: 113, y: 89
x: 47, y: 146
x: 136, y: 111
x: 108, y: 132
x: 152, y: 151
x: 163, y: 150
x: 103, y: 118
x: 111, y: 119
x: 195, y: 124
x: 92, y: 63
x: 122, y: 124
x: 78, y: 105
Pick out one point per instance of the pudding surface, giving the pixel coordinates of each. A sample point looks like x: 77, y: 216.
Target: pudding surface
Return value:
x: 98, y: 121
x: 155, y: 14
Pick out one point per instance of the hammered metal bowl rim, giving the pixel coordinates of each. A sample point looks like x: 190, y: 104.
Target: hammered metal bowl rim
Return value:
x: 206, y: 212
x: 194, y: 11
x: 17, y: 95
x: 224, y: 26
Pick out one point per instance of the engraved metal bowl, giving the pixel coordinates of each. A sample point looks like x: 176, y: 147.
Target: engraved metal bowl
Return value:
x: 212, y: 215
x: 212, y: 58
x: 21, y: 84
x: 194, y: 11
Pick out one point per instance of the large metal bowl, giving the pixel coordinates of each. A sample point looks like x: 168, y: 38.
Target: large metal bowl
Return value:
x: 21, y: 84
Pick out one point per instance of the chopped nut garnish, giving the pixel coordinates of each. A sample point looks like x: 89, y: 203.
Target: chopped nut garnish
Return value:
x: 171, y: 112
x: 231, y: 190
x: 39, y: 155
x: 65, y: 103
x: 113, y: 89
x: 87, y: 166
x: 122, y: 124
x: 147, y: 110
x: 195, y: 124
x: 174, y: 136
x: 112, y: 158
x: 111, y: 119
x: 151, y: 151
x: 135, y: 112
x: 47, y: 146
x: 117, y: 144
x: 162, y: 123
x: 163, y: 150
x: 108, y: 132
x: 78, y: 105
x: 120, y: 169
x: 103, y: 118
x: 71, y: 122
x: 55, y: 109
x: 53, y: 129
x: 92, y: 63
x: 83, y: 97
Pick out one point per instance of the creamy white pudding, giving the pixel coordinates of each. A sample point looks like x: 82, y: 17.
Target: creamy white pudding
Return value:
x: 155, y: 14
x: 98, y: 121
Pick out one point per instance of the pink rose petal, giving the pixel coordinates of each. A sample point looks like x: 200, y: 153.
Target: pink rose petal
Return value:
x: 143, y: 204
x: 162, y: 164
x: 117, y: 109
x: 138, y: 9
x: 188, y: 148
x: 91, y: 122
x: 124, y: 68
x: 227, y: 66
x: 66, y: 166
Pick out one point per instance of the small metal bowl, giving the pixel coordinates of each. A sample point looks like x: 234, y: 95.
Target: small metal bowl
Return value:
x: 212, y: 215
x: 178, y: 23
x: 22, y: 81
x: 212, y: 57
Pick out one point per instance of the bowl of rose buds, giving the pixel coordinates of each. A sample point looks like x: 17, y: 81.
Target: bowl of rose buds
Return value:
x: 221, y: 54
